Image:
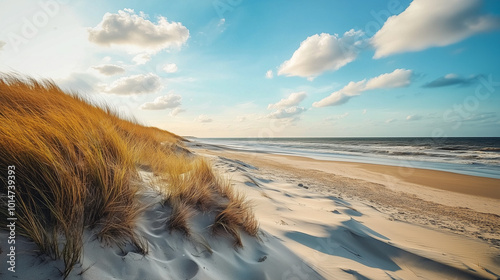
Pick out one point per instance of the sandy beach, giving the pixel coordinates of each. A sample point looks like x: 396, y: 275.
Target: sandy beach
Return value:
x: 366, y: 221
x: 249, y: 140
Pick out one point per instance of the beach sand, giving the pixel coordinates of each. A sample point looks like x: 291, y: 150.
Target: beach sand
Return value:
x: 366, y: 221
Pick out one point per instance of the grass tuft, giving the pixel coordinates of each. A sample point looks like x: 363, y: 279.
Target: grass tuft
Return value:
x: 179, y: 219
x: 235, y: 215
x: 192, y: 181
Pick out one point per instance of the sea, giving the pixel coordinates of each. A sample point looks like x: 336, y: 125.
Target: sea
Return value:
x: 478, y: 156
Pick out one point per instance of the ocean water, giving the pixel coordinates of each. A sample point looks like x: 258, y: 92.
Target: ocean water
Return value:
x: 479, y: 156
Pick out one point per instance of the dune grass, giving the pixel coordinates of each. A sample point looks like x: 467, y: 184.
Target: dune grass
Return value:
x: 179, y: 219
x: 76, y: 170
x: 194, y: 183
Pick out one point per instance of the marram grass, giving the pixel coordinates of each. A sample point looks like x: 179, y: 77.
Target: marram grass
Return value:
x: 76, y: 170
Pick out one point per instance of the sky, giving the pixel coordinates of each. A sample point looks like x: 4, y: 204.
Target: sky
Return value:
x: 241, y: 68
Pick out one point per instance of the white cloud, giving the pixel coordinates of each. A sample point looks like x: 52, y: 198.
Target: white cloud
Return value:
x: 204, y: 119
x: 364, y: 111
x: 425, y: 24
x: 322, y: 52
x: 390, y: 120
x: 343, y: 95
x: 176, y: 111
x: 141, y: 58
x: 398, y: 78
x: 126, y: 28
x: 109, y: 69
x: 287, y: 113
x: 170, y: 68
x: 168, y: 101
x: 395, y: 79
x: 2, y: 43
x: 269, y: 74
x: 413, y: 117
x: 136, y: 84
x: 292, y: 100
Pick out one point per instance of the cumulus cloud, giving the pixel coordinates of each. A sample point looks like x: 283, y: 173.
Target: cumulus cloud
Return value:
x: 269, y: 74
x: 322, y: 52
x: 136, y: 32
x: 204, y: 119
x: 170, y: 68
x: 136, y: 84
x: 397, y: 78
x: 109, y: 69
x: 425, y: 24
x: 176, y: 111
x: 287, y: 108
x: 141, y: 58
x: 292, y: 100
x: 287, y: 113
x: 342, y: 96
x: 451, y: 80
x: 168, y: 101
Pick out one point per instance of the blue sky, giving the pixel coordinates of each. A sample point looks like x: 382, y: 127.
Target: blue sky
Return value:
x: 240, y: 68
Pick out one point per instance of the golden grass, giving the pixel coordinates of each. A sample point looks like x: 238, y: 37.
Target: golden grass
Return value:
x: 236, y: 214
x: 192, y: 181
x: 179, y: 219
x: 76, y: 169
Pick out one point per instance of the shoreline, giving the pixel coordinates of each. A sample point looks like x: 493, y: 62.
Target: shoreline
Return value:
x: 471, y: 168
x: 436, y: 179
